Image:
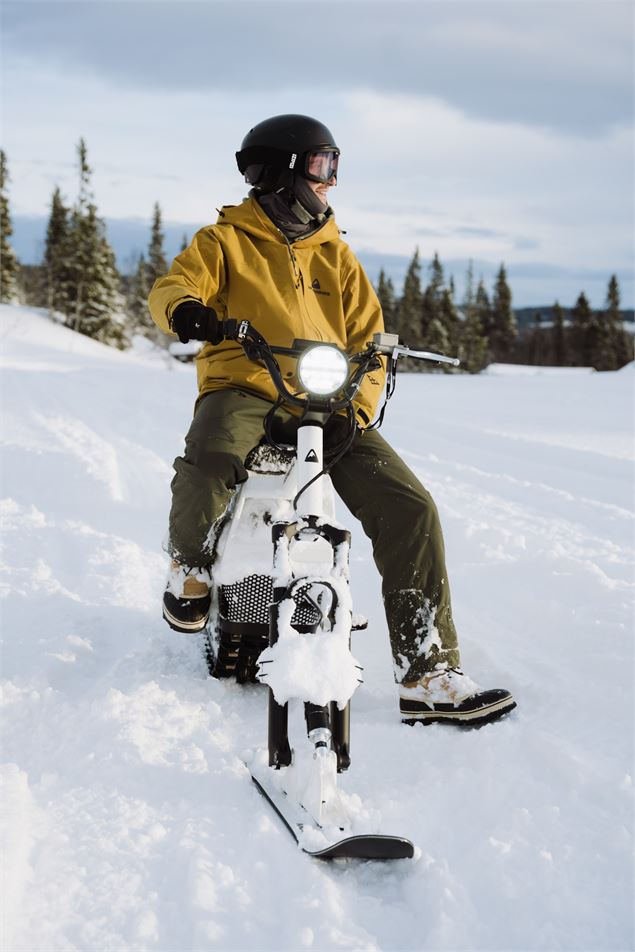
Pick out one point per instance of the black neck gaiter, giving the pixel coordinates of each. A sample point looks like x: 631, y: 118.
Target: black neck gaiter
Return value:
x: 296, y: 212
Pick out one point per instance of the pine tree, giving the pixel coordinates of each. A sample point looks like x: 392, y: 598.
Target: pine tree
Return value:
x: 624, y: 348
x: 57, y: 274
x: 437, y: 278
x: 431, y: 302
x: 439, y: 316
x: 483, y: 310
x: 601, y: 337
x: 141, y: 280
x: 157, y: 264
x: 558, y: 338
x: 473, y: 343
x: 579, y: 333
x: 184, y: 242
x: 437, y: 341
x: 95, y: 304
x: 504, y: 330
x: 621, y: 341
x: 613, y: 298
x: 410, y: 304
x: 408, y: 322
x: 473, y: 346
x: 449, y: 318
x: 469, y: 295
x: 8, y: 262
x: 386, y: 295
x: 137, y: 298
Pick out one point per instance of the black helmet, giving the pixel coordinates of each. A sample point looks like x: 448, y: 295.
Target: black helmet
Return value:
x: 276, y: 147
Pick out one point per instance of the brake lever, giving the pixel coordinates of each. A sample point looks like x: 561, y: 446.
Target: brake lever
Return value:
x: 247, y: 336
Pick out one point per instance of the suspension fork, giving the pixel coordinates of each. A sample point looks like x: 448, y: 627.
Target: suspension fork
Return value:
x: 330, y: 727
x: 278, y: 716
x: 326, y: 725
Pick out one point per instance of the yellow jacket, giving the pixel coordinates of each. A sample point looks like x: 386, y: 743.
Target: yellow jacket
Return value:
x: 245, y: 268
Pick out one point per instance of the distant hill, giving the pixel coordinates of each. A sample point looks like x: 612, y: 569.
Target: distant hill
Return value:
x: 526, y: 315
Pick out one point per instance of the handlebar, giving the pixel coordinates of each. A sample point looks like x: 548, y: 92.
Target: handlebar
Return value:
x: 257, y: 348
x: 388, y: 344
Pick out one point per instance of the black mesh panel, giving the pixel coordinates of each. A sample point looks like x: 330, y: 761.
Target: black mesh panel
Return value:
x: 248, y: 601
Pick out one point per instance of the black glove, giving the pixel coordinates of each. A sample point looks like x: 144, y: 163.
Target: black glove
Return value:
x: 191, y: 320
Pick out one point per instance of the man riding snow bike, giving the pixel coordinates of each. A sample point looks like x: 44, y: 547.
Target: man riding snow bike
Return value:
x: 278, y: 257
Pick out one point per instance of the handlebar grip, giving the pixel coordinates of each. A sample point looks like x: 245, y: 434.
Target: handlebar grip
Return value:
x: 230, y: 329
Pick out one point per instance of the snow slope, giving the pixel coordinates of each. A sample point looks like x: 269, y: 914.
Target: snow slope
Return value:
x: 129, y: 818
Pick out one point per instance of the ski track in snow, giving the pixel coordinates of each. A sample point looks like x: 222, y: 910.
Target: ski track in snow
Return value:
x: 129, y: 818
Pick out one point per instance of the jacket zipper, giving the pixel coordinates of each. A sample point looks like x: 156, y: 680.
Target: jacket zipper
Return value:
x: 294, y: 261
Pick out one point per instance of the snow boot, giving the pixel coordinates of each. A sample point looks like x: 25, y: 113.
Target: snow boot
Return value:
x: 446, y: 694
x: 187, y: 598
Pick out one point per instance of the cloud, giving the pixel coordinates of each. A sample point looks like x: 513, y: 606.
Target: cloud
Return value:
x: 519, y: 186
x: 413, y: 167
x: 163, y: 104
x: 565, y: 65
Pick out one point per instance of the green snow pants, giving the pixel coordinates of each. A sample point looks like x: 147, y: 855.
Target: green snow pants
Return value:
x: 396, y: 513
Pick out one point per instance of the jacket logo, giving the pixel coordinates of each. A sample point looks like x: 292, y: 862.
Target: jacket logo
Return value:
x: 315, y: 286
x: 311, y: 457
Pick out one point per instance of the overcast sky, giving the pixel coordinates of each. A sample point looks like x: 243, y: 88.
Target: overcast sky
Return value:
x: 500, y: 131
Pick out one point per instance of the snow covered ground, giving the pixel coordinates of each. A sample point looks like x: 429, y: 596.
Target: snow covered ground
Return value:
x: 129, y: 818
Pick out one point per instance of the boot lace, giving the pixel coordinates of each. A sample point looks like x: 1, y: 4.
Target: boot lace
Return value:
x: 442, y: 671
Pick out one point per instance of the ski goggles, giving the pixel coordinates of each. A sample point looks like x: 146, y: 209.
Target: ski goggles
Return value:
x: 321, y: 166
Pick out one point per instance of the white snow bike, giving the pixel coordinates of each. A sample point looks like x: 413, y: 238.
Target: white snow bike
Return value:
x: 285, y: 618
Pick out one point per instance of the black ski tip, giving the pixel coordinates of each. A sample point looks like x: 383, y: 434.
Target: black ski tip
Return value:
x: 369, y: 846
x: 364, y: 846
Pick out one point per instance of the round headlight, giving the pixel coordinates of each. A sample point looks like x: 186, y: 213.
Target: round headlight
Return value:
x: 323, y: 369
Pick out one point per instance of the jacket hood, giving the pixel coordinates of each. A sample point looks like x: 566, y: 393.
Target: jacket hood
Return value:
x: 250, y: 217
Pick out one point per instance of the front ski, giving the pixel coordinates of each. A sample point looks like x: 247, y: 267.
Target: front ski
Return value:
x: 323, y: 843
